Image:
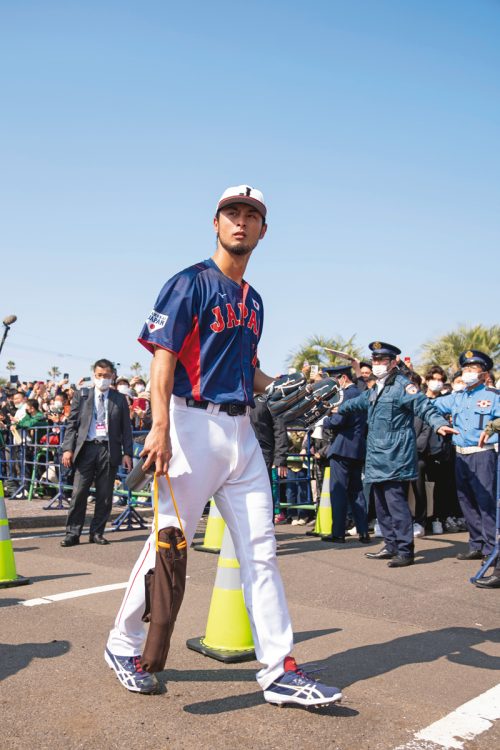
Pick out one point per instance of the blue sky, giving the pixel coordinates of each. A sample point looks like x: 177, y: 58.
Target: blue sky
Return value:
x: 371, y: 127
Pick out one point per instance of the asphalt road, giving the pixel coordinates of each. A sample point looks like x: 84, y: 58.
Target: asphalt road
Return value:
x: 407, y: 646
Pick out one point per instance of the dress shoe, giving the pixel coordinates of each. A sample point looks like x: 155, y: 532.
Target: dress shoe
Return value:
x: 382, y: 554
x: 70, y: 540
x: 492, y: 582
x: 400, y: 562
x: 98, y: 539
x: 334, y: 539
x: 364, y: 538
x: 473, y: 554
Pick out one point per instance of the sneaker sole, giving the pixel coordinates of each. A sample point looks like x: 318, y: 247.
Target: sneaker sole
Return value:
x: 110, y: 664
x: 317, y: 702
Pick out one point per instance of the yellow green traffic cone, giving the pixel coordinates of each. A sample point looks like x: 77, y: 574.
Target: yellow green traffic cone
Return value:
x: 323, y: 526
x: 214, y: 532
x: 8, y: 575
x: 228, y: 637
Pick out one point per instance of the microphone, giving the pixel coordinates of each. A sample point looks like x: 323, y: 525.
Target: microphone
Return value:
x: 9, y: 320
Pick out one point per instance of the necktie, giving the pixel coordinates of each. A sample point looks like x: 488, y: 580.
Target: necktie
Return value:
x: 101, y: 412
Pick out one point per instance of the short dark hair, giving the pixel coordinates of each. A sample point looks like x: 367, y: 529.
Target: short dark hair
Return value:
x: 436, y: 370
x: 415, y: 378
x: 33, y: 403
x: 104, y: 363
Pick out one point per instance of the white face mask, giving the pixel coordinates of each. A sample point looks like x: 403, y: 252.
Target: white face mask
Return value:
x: 123, y: 389
x: 380, y: 370
x: 458, y: 387
x: 470, y: 378
x: 436, y: 386
x: 139, y: 388
x: 102, y: 384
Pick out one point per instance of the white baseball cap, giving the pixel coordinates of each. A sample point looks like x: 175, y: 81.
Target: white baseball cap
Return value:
x: 243, y: 194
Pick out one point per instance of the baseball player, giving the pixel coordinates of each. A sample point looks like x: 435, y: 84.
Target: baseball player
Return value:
x: 203, y: 334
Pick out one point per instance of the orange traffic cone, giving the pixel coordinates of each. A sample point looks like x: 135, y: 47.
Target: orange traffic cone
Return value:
x: 228, y: 637
x: 8, y: 575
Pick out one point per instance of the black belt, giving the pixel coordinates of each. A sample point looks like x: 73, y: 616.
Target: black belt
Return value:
x: 97, y: 442
x: 234, y: 410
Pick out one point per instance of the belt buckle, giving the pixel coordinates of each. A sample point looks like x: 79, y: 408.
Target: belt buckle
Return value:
x: 234, y: 410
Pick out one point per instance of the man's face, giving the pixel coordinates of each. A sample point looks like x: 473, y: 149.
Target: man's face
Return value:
x: 380, y: 359
x: 103, y: 372
x: 472, y: 368
x: 239, y: 228
x: 18, y: 400
x: 365, y: 372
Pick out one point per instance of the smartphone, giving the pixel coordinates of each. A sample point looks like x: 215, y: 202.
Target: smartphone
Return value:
x: 140, y: 403
x: 14, y: 378
x: 407, y: 361
x: 86, y: 379
x: 66, y: 376
x: 314, y: 370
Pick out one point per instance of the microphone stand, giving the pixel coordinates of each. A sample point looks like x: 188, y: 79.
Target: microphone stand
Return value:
x: 6, y: 330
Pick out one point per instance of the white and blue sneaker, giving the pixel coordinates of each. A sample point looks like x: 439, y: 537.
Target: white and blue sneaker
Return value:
x: 295, y: 686
x: 130, y: 673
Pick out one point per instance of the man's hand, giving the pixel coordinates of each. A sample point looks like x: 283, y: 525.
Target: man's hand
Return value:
x: 127, y: 462
x: 282, y: 472
x: 483, y: 438
x: 158, y: 449
x: 444, y: 430
x: 67, y: 459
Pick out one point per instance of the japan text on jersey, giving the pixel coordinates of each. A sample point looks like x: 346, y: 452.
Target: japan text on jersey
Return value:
x: 213, y: 325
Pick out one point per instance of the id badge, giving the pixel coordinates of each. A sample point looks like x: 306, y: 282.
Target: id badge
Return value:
x: 100, y: 430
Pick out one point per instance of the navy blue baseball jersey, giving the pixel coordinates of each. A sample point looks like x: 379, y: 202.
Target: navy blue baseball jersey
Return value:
x: 213, y: 325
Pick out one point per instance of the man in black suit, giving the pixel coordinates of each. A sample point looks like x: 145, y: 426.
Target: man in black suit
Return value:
x: 98, y: 434
x: 347, y: 453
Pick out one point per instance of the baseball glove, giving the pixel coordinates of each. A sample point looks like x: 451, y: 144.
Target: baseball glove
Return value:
x: 302, y: 404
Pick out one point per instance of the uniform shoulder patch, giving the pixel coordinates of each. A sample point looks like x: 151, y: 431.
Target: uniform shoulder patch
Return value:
x: 411, y: 389
x: 156, y: 320
x: 493, y: 390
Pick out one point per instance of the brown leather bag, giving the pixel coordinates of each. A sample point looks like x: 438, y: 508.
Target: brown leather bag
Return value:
x: 165, y: 585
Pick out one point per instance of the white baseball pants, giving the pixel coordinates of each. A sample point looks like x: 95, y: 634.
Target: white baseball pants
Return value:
x: 218, y: 455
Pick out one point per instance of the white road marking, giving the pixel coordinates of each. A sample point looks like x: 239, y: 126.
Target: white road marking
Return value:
x: 459, y: 726
x: 72, y: 594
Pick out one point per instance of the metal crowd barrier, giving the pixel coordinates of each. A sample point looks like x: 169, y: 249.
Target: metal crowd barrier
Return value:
x: 31, y: 464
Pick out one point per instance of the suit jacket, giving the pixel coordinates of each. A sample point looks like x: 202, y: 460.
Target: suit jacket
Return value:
x: 119, y: 427
x: 349, y: 431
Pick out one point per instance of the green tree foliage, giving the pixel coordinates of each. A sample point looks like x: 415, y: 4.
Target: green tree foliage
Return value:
x: 54, y: 372
x: 10, y: 366
x: 446, y: 349
x: 136, y: 368
x: 312, y: 351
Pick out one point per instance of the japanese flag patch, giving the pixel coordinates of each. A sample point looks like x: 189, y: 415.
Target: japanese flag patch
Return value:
x: 411, y: 389
x: 156, y: 320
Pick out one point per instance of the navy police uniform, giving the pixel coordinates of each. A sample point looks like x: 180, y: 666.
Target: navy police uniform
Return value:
x: 391, y: 456
x: 475, y: 468
x: 346, y: 453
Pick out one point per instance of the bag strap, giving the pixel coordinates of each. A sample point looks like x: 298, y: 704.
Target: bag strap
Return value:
x: 155, y: 498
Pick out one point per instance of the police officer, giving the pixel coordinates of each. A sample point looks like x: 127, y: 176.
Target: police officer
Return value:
x: 391, y: 457
x: 347, y: 454
x: 475, y: 466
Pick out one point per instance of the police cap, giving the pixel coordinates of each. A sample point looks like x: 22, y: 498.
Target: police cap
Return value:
x: 380, y: 348
x: 337, y: 372
x: 475, y: 357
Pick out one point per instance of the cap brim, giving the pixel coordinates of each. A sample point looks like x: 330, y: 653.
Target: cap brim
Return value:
x: 243, y: 199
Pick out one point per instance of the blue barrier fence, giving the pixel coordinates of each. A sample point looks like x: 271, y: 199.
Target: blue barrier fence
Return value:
x: 31, y: 465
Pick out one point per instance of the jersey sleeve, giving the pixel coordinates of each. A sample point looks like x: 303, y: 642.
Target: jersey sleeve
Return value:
x: 171, y: 320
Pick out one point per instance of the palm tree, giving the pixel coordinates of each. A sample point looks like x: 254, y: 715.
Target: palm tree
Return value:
x: 446, y: 349
x: 312, y: 351
x: 54, y: 372
x: 10, y: 366
x: 136, y: 368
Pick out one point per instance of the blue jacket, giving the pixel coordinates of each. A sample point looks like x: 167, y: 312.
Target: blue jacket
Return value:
x: 471, y: 411
x: 391, y: 449
x: 350, y: 431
